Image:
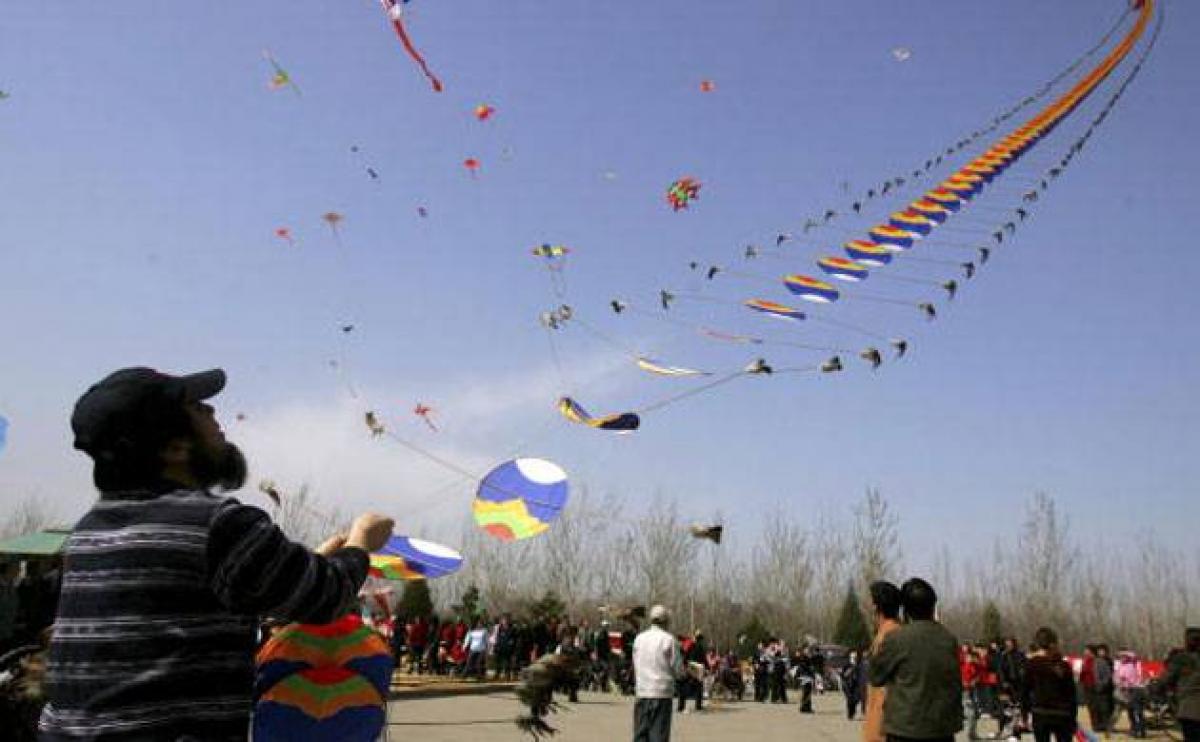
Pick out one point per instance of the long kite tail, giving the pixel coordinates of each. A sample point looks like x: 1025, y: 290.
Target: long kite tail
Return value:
x: 397, y: 23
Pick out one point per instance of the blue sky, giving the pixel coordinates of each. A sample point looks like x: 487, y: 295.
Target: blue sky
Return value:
x: 146, y: 165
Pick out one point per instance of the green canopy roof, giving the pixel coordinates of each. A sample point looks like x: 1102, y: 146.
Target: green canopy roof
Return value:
x: 42, y: 543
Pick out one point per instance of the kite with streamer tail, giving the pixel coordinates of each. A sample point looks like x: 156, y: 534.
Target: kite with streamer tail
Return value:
x: 682, y: 192
x: 322, y: 683
x: 624, y: 422
x: 424, y: 412
x: 520, y: 498
x: 395, y: 14
x: 406, y: 558
x: 333, y: 219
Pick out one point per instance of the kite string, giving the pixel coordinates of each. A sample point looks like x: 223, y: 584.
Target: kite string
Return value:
x: 690, y: 392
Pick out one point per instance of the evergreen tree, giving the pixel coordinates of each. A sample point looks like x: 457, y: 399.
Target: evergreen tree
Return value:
x: 415, y: 600
x: 470, y: 602
x: 852, y: 630
x: 750, y: 636
x: 993, y: 623
x: 548, y: 606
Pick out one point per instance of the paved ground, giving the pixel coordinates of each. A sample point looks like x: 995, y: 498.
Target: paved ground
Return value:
x: 608, y: 718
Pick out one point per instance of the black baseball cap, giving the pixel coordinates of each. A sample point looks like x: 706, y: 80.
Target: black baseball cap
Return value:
x: 119, y: 403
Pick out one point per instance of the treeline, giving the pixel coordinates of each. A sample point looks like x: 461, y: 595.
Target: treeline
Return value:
x: 793, y: 578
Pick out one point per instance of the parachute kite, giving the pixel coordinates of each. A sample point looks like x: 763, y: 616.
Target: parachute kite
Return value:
x: 867, y: 253
x: 811, y: 289
x: 772, y: 309
x: 682, y: 192
x: 655, y: 367
x: 624, y: 422
x: 322, y: 683
x: 395, y: 14
x: 842, y: 269
x: 520, y: 498
x: 406, y: 558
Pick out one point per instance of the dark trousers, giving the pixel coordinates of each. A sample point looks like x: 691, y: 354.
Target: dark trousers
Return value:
x: 806, y: 690
x: 689, y: 687
x: 1191, y: 729
x: 1061, y: 729
x: 1135, y: 706
x: 652, y: 720
x: 778, y: 688
x: 760, y: 687
x: 851, y: 704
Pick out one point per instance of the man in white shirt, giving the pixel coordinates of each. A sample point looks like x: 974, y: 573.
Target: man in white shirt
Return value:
x: 657, y: 662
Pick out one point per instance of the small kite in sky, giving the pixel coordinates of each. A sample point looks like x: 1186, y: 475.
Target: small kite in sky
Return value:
x: 625, y: 422
x: 395, y: 14
x: 712, y: 533
x: 333, y: 219
x: 268, y: 488
x: 374, y: 425
x: 4, y: 95
x: 682, y: 192
x: 472, y: 166
x: 424, y: 411
x: 707, y: 86
x: 422, y: 212
x: 483, y: 111
x: 901, y: 53
x: 3, y: 431
x: 285, y: 234
x: 280, y: 78
x: 372, y: 173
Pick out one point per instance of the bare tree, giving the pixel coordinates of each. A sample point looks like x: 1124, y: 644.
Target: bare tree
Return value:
x: 876, y: 543
x: 29, y: 515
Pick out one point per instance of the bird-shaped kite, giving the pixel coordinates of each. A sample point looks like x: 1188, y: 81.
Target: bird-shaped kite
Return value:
x: 374, y: 425
x: 759, y: 366
x: 872, y: 356
x: 536, y: 691
x: 712, y: 533
x: 268, y: 488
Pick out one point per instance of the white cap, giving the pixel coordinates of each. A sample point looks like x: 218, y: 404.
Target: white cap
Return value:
x: 658, y: 614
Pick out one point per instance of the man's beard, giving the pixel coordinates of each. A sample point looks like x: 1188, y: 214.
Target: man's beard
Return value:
x: 224, y: 468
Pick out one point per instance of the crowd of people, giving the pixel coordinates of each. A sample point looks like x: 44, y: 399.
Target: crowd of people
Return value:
x: 164, y: 584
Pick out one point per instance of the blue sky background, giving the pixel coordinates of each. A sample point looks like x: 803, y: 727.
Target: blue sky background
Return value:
x: 146, y: 164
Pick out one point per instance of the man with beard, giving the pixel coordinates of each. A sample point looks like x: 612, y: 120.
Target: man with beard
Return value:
x: 165, y: 582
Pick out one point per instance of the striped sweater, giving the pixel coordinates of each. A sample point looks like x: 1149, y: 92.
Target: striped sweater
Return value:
x: 156, y: 626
